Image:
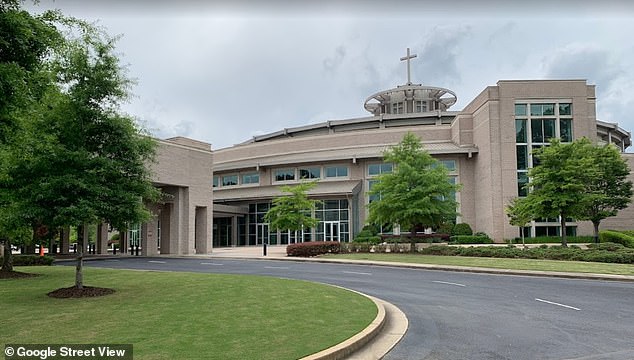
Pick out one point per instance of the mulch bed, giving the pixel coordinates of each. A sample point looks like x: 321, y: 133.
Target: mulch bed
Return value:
x: 16, y: 275
x: 86, y: 291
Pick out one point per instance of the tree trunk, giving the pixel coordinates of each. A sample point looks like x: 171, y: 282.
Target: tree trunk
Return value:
x: 79, y: 276
x: 7, y: 260
x: 564, y: 241
x: 596, y: 232
x: 412, y: 239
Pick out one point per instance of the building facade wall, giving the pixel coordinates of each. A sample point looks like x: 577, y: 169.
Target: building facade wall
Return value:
x: 481, y: 139
x: 624, y: 220
x: 184, y: 169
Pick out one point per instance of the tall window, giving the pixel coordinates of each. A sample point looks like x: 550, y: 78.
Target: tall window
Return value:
x: 373, y: 197
x: 334, y: 220
x: 215, y: 182
x: 535, y: 124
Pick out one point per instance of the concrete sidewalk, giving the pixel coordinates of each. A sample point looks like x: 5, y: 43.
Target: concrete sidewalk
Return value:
x: 278, y: 252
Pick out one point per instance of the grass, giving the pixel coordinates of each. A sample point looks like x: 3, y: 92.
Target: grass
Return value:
x: 496, y: 263
x: 183, y: 315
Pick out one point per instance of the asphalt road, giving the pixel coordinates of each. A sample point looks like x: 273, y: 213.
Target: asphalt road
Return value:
x: 464, y: 315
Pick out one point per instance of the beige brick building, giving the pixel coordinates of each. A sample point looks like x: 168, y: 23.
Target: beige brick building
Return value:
x: 183, y: 220
x: 486, y: 146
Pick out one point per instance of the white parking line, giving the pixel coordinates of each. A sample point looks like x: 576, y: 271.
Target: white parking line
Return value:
x: 356, y: 273
x: 449, y: 283
x: 208, y: 263
x: 276, y: 267
x: 558, y: 304
x: 156, y: 262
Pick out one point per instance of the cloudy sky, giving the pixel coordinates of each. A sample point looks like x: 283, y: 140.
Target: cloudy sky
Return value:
x: 222, y: 72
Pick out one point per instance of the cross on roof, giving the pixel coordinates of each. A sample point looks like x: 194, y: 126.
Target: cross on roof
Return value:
x: 408, y: 58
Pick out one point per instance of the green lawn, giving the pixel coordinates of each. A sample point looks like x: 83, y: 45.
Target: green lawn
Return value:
x: 498, y: 263
x: 183, y: 315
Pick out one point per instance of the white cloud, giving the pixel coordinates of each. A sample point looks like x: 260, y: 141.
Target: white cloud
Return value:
x: 223, y: 73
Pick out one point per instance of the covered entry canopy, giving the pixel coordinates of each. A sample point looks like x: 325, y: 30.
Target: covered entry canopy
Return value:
x: 183, y: 171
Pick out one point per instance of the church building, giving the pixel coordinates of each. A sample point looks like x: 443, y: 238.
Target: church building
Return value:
x: 486, y: 147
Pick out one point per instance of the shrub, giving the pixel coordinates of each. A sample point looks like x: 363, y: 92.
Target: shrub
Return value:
x: 621, y: 257
x: 607, y: 246
x: 367, y: 238
x: 627, y: 232
x: 313, y: 248
x: 445, y: 228
x: 442, y: 250
x: 32, y: 260
x: 462, y: 229
x: 616, y: 237
x: 471, y: 239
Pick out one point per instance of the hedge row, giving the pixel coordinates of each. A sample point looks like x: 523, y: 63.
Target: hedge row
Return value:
x: 418, y: 238
x: 554, y: 240
x: 608, y: 253
x: 313, y: 248
x: 471, y: 239
x: 32, y: 260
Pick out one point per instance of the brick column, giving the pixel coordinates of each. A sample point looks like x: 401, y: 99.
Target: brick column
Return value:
x: 123, y: 241
x: 234, y: 231
x: 149, y: 244
x: 102, y: 239
x: 64, y: 240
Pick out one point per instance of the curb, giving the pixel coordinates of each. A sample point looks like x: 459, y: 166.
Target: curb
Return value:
x: 349, y: 346
x: 536, y: 273
x: 481, y: 270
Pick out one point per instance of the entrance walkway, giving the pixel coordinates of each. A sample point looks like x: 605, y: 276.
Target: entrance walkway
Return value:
x: 273, y: 251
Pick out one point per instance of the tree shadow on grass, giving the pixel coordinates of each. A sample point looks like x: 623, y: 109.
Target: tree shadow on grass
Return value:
x: 16, y: 275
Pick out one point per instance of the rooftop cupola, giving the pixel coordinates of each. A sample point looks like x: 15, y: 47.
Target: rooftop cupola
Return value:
x: 410, y: 98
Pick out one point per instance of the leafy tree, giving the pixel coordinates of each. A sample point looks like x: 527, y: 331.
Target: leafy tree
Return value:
x: 417, y: 192
x: 82, y: 161
x: 26, y: 42
x: 520, y: 214
x: 608, y: 190
x: 577, y: 180
x: 294, y: 211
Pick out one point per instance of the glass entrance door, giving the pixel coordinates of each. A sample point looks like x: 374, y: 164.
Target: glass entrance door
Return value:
x: 262, y: 233
x: 332, y: 230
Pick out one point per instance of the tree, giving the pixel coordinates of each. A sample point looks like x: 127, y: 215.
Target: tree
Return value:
x: 81, y: 160
x: 558, y: 183
x: 26, y: 42
x: 608, y: 190
x: 578, y: 180
x: 416, y: 193
x: 294, y: 211
x: 520, y: 214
